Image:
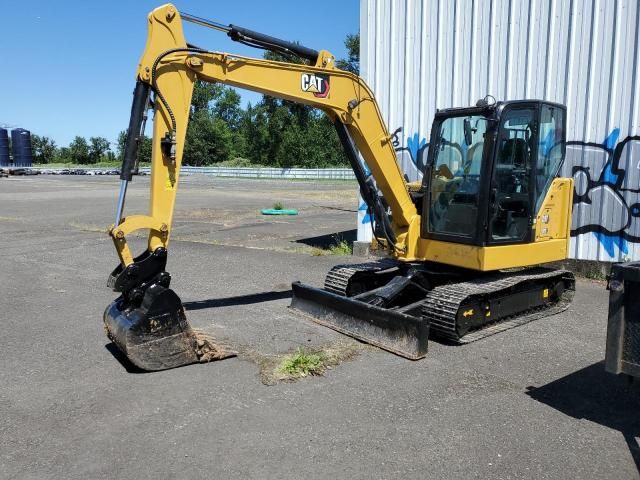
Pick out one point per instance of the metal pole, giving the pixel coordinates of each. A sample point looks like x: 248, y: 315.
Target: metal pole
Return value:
x: 121, y: 197
x: 204, y: 22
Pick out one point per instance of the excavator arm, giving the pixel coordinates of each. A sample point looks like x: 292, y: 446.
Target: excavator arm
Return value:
x: 147, y: 322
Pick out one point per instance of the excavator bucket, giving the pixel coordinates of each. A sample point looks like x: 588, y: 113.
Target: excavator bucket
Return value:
x: 156, y: 334
x: 391, y: 330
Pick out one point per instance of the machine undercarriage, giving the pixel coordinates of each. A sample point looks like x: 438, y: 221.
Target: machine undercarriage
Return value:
x: 455, y: 305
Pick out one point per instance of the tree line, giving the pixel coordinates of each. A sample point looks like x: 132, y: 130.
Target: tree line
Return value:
x: 272, y: 132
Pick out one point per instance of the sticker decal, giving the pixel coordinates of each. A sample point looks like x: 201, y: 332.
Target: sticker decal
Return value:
x: 316, y: 84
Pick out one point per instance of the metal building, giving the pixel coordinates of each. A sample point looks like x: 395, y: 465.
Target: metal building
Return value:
x: 420, y: 55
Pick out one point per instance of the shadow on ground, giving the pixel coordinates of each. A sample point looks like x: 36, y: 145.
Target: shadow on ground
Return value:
x: 122, y: 359
x: 238, y: 300
x: 598, y: 396
x: 326, y: 241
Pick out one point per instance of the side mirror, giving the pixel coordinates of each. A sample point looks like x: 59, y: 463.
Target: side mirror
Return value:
x: 468, y: 138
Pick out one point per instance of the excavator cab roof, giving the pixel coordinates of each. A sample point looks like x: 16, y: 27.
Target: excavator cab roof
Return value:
x: 490, y: 109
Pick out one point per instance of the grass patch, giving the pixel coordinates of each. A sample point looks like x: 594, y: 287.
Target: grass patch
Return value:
x: 339, y: 247
x: 302, y: 364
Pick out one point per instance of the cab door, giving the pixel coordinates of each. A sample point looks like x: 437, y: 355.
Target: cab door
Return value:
x: 511, y: 197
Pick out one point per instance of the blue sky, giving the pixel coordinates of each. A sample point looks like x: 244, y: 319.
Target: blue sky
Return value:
x: 69, y: 66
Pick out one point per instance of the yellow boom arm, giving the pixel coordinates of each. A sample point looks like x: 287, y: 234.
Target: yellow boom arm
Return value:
x: 170, y: 68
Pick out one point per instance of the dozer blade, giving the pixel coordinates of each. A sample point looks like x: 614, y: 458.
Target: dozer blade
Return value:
x: 388, y: 329
x: 156, y: 335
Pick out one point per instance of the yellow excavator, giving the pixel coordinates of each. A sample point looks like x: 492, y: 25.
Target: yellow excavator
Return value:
x: 464, y: 245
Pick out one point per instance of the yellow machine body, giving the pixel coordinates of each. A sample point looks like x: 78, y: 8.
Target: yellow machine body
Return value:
x: 169, y: 67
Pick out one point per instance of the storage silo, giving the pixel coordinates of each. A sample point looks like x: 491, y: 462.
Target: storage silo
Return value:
x: 4, y: 148
x: 21, y: 147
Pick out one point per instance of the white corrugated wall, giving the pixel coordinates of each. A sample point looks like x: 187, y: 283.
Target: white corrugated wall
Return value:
x: 419, y: 55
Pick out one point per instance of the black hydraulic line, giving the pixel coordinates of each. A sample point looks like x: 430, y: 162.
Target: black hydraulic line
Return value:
x: 241, y: 34
x: 255, y: 39
x: 368, y: 188
x: 140, y: 98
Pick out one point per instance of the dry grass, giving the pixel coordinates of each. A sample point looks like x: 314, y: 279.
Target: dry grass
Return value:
x: 303, y: 362
x: 341, y: 248
x: 209, y: 349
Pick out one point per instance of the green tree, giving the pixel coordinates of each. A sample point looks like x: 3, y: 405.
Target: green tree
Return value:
x: 79, y: 151
x: 352, y: 62
x: 214, y: 120
x: 227, y: 107
x: 64, y: 155
x: 208, y: 140
x: 203, y: 94
x: 98, y: 148
x: 120, y: 144
x: 44, y: 149
x: 144, y: 149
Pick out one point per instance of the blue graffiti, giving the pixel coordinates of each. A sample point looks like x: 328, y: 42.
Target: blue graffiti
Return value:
x: 610, y: 144
x: 604, y: 179
x: 608, y: 177
x: 611, y: 140
x: 367, y: 217
x: 415, y: 145
x: 608, y: 242
x: 548, y: 142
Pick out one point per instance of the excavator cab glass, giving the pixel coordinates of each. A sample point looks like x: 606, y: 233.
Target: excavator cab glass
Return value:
x: 455, y: 178
x: 489, y: 169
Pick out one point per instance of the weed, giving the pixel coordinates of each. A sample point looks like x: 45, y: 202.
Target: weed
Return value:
x: 277, y: 368
x: 593, y: 274
x: 340, y: 248
x: 301, y: 364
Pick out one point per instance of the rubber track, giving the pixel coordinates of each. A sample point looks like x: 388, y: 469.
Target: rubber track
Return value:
x: 337, y: 280
x: 443, y: 302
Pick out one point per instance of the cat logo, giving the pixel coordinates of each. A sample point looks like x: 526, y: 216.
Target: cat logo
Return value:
x: 316, y: 84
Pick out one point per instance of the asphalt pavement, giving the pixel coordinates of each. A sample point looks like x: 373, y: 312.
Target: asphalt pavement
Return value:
x: 533, y: 402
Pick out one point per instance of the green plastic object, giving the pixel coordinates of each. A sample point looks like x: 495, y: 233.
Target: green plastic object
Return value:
x: 282, y: 211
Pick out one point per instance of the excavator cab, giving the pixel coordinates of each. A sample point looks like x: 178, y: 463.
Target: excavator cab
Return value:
x: 488, y: 170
